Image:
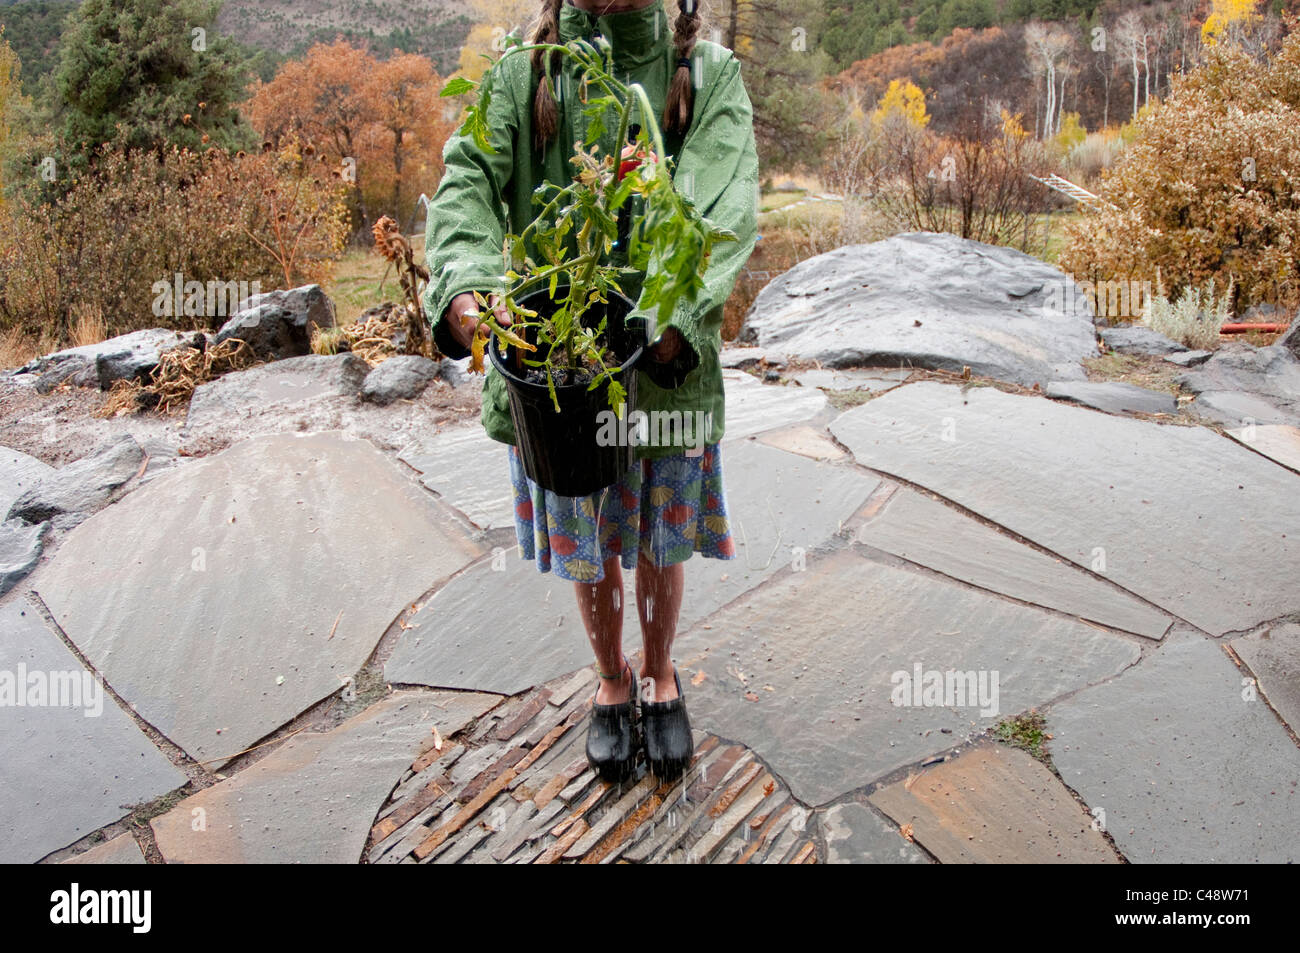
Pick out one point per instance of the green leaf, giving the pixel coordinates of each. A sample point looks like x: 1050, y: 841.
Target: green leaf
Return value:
x: 457, y: 85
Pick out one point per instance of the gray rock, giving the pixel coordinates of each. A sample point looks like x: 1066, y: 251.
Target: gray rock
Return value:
x: 932, y: 301
x: 1114, y: 397
x: 80, y: 371
x: 1189, y: 358
x: 1169, y: 513
x: 137, y: 362
x: 276, y: 385
x: 1234, y: 409
x: 20, y: 551
x: 454, y: 372
x: 83, y: 486
x: 242, y: 601
x: 404, y: 376
x: 124, y: 355
x: 18, y: 474
x: 1277, y: 442
x: 278, y: 324
x: 72, y: 764
x: 1271, y: 374
x: 1186, y: 766
x: 1136, y: 339
x: 872, y: 379
x: 1291, y: 339
x: 313, y: 800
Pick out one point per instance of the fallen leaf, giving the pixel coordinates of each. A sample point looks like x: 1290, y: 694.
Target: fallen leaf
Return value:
x: 906, y: 831
x: 699, y: 677
x: 751, y: 697
x: 437, y: 738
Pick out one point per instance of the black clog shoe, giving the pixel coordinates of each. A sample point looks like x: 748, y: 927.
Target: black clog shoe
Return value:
x: 611, y: 737
x: 667, y: 733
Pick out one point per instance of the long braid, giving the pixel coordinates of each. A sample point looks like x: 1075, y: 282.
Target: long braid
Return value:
x: 545, y: 114
x: 681, y: 91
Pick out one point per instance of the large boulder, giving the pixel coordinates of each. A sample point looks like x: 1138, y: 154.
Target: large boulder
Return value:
x: 81, y: 487
x: 278, y: 324
x: 932, y: 301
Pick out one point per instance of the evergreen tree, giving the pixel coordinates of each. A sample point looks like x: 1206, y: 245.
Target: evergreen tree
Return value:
x: 148, y: 73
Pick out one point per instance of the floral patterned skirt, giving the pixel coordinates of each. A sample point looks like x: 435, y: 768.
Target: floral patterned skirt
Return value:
x: 666, y: 509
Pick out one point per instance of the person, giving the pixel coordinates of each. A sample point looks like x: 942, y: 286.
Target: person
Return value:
x: 672, y: 501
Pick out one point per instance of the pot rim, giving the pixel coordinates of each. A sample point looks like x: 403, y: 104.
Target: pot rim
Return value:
x: 526, y: 386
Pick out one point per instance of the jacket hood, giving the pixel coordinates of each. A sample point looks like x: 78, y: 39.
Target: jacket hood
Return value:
x: 638, y: 37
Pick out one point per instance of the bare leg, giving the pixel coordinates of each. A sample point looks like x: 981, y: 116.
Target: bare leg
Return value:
x: 601, y: 607
x: 659, y: 600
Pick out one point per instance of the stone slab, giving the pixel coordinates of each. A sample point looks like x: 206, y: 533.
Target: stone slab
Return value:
x: 1138, y: 339
x: 276, y: 385
x: 445, y: 459
x: 1274, y: 656
x: 1176, y: 512
x: 238, y: 591
x: 122, y: 849
x: 1186, y: 768
x: 855, y: 834
x: 65, y: 771
x: 753, y: 407
x: 20, y: 550
x: 18, y: 474
x: 811, y: 442
x: 928, y: 532
x: 1114, y: 397
x: 994, y: 805
x: 313, y: 799
x: 826, y: 643
x: 1275, y: 441
x: 508, y: 629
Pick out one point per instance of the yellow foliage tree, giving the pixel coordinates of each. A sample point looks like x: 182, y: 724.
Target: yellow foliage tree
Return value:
x: 492, y: 20
x: 1224, y: 14
x: 904, y: 98
x: 10, y: 96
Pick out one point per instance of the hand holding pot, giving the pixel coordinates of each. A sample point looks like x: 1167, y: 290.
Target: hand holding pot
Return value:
x: 463, y: 317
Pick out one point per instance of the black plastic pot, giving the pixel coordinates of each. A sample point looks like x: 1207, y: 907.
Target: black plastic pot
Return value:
x: 560, y: 451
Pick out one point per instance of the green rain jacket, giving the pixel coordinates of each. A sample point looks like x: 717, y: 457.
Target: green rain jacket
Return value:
x: 717, y: 166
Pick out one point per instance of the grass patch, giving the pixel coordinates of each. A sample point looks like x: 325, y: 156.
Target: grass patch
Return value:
x: 1152, y: 373
x: 1026, y: 732
x: 848, y: 399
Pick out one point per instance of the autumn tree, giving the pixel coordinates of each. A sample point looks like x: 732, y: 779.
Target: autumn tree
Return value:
x: 368, y: 117
x: 492, y: 20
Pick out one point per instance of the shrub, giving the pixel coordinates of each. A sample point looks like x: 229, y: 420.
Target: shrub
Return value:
x: 1194, y: 320
x: 1207, y: 189
x: 142, y: 217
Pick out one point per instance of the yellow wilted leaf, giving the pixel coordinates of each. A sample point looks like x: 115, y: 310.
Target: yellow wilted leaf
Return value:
x: 476, y: 355
x: 515, y: 339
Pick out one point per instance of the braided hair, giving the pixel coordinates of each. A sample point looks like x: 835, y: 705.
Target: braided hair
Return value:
x: 679, y: 102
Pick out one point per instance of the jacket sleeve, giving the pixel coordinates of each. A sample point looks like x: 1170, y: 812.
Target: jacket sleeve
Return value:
x: 718, y: 169
x: 466, y: 218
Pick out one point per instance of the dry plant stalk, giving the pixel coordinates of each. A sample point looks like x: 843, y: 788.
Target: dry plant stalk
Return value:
x: 393, y: 246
